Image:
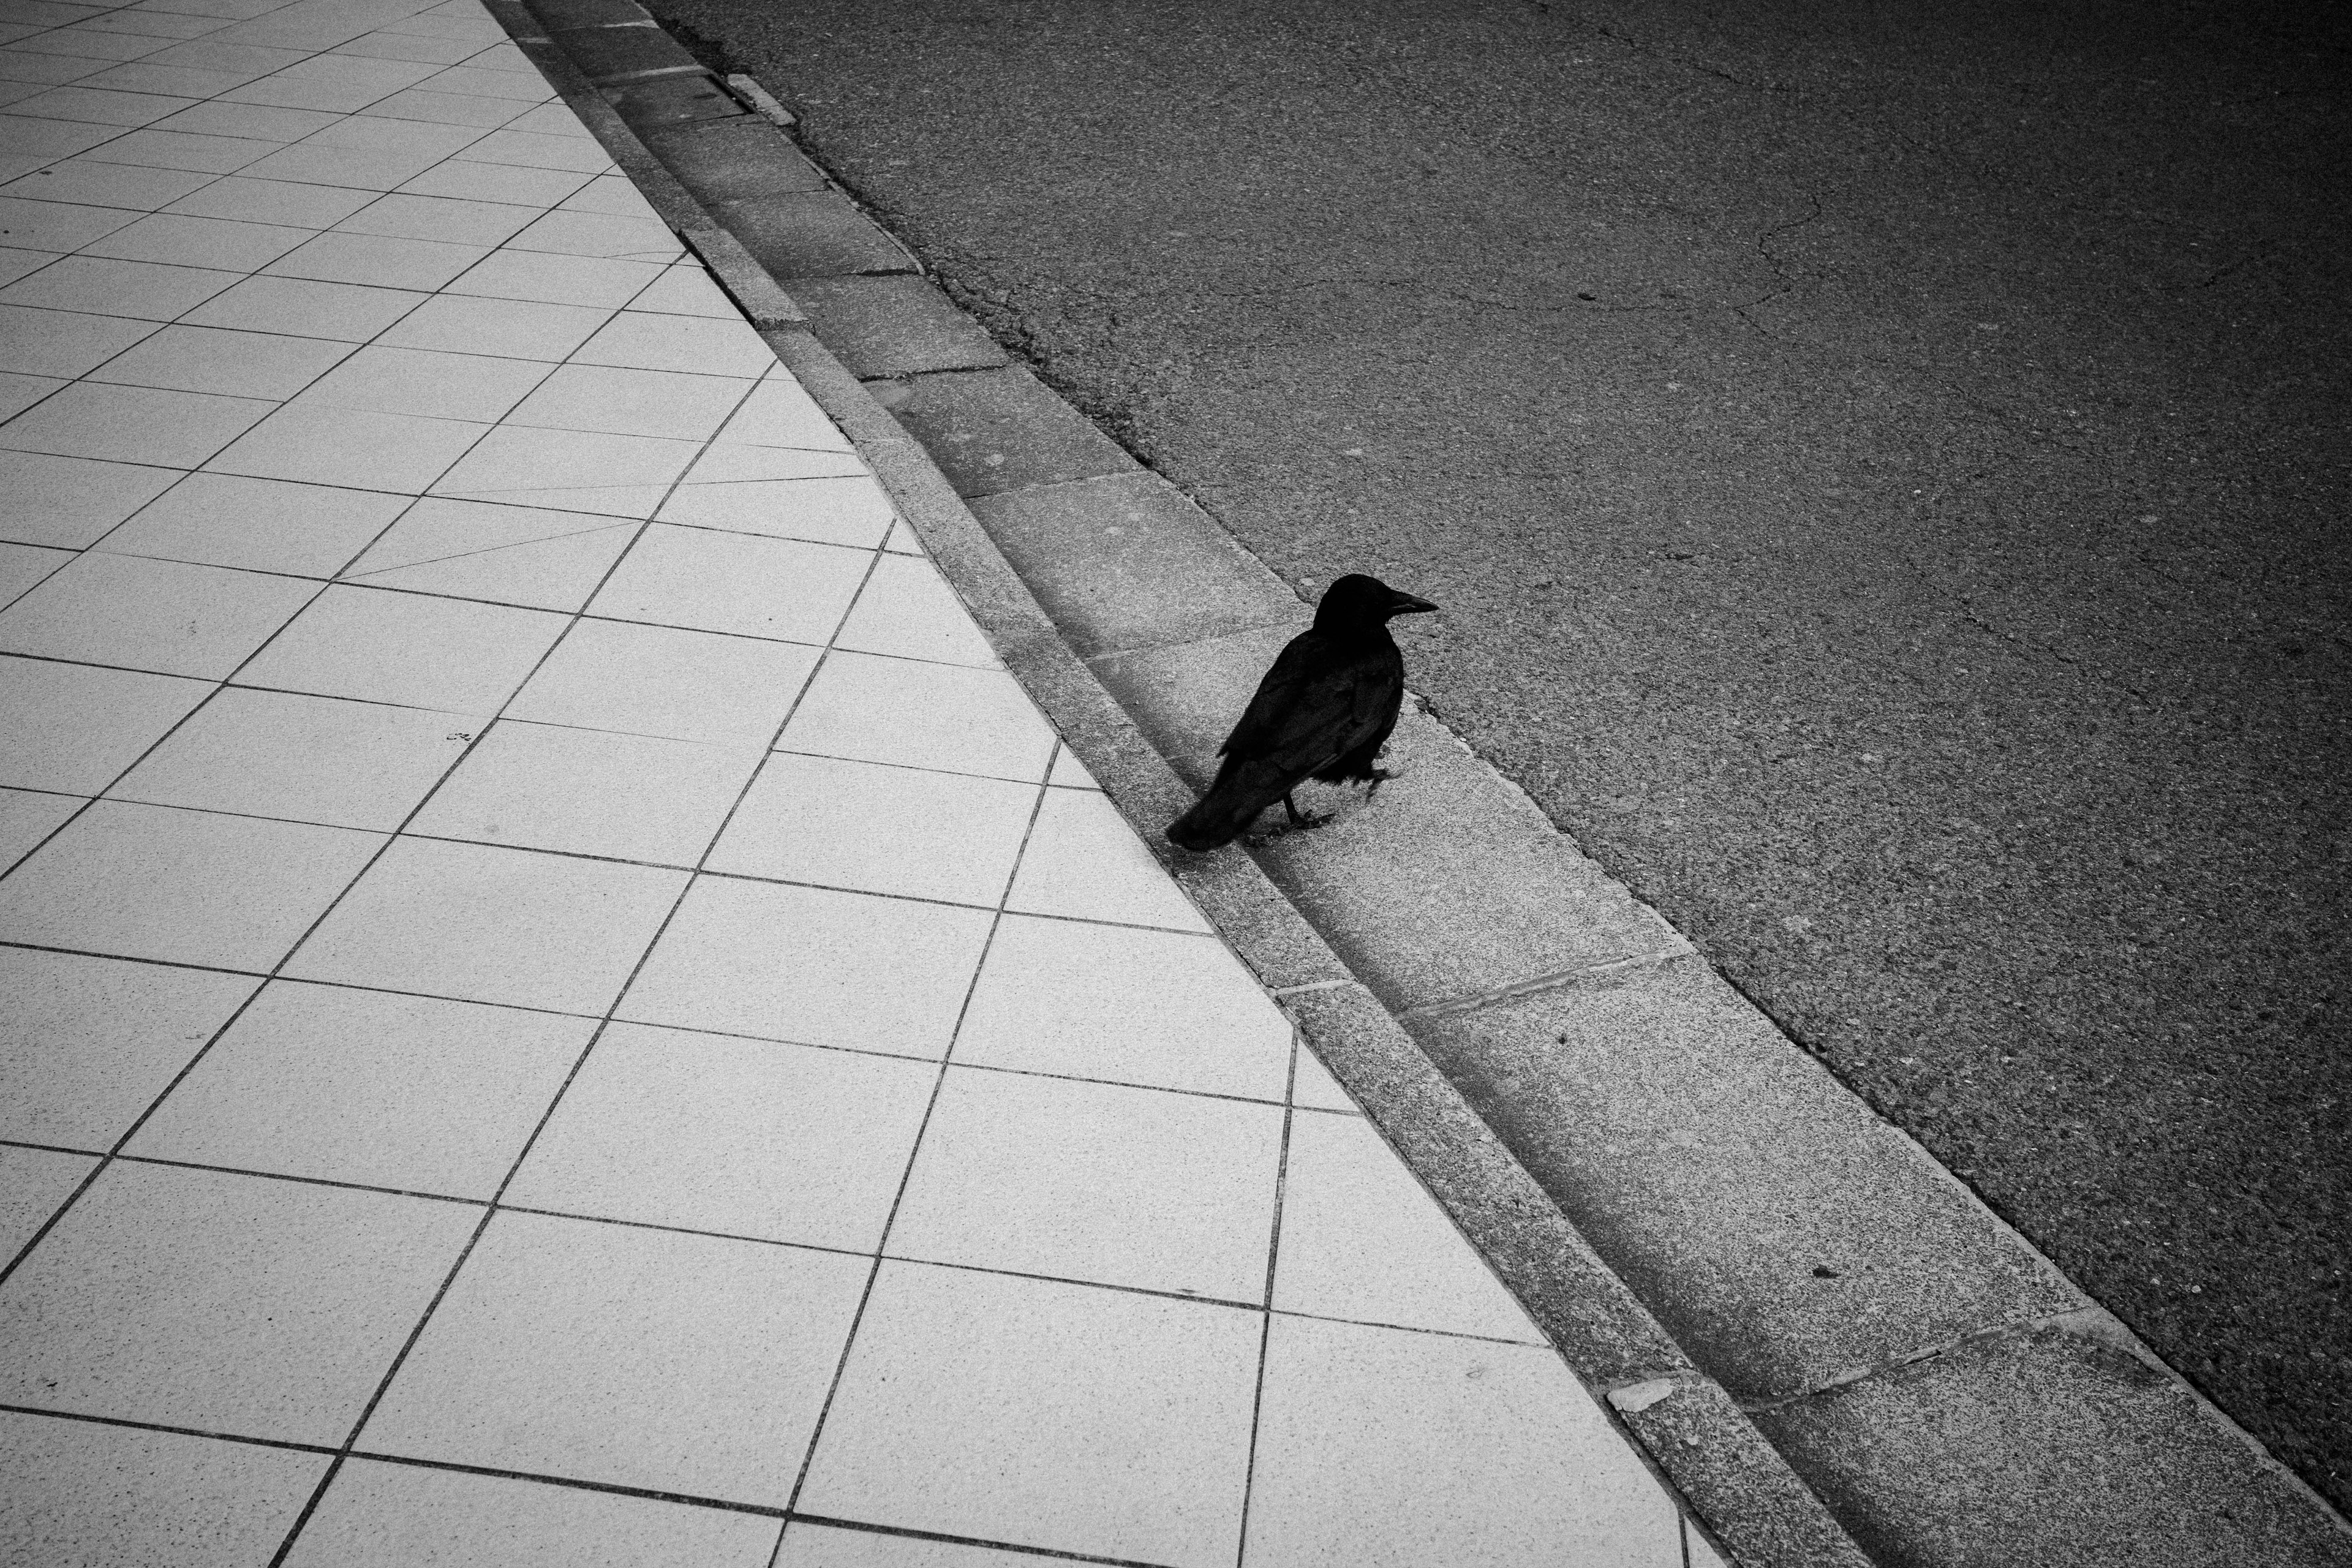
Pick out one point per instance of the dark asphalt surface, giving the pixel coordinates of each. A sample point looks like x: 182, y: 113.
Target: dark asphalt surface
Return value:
x: 1886, y: 472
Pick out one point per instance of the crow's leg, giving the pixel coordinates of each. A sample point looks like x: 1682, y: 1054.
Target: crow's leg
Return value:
x: 1380, y: 777
x: 1301, y: 818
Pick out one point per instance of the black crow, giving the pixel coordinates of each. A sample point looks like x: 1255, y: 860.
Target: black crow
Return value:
x: 1323, y: 711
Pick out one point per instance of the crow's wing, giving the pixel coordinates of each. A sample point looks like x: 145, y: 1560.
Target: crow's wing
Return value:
x: 1321, y: 700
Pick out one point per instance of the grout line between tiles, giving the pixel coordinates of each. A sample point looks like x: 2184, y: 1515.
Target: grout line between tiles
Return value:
x: 1266, y: 1324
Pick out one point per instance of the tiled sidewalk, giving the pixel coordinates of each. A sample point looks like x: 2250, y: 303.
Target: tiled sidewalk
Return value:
x: 541, y: 947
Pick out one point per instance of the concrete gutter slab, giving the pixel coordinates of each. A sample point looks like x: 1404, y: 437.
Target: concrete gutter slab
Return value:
x: 894, y: 325
x: 996, y: 430
x: 814, y: 233
x: 1127, y: 561
x: 1723, y: 1174
x: 723, y: 161
x: 674, y: 100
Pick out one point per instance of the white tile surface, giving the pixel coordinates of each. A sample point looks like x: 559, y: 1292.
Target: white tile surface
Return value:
x: 869, y: 709
x: 406, y: 649
x: 347, y: 313
x: 1085, y: 862
x: 71, y: 727
x: 621, y: 401
x: 183, y: 887
x: 26, y: 818
x: 379, y: 1515
x: 33, y: 1184
x: 486, y: 924
x: 739, y: 583
x: 227, y: 1304
x: 742, y: 1136
x: 504, y: 554
x: 885, y: 975
x: 621, y: 476
x: 236, y: 365
x: 1039, y: 1413
x: 257, y: 525
x: 406, y: 1092
x: 1137, y: 1187
x: 878, y: 829
x: 1361, y: 1240
x: 843, y: 511
x: 685, y: 1364
x: 907, y: 610
x: 655, y: 680
x: 357, y: 448
x: 93, y: 1493
x: 589, y: 792
x: 133, y: 423
x: 70, y: 502
x: 1378, y: 1446
x: 301, y: 759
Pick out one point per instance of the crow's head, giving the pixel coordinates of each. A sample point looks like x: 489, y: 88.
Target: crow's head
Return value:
x: 1356, y: 603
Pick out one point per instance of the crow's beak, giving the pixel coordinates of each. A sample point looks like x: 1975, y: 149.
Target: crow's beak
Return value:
x: 1406, y: 605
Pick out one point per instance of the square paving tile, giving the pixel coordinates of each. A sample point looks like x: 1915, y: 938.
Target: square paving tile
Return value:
x: 23, y: 567
x: 64, y: 342
x: 92, y: 1493
x: 88, y: 1043
x: 1061, y: 1416
x: 319, y: 444
x: 879, y: 831
x: 56, y: 224
x: 379, y: 1515
x: 587, y: 792
x: 96, y: 106
x: 232, y: 1304
x: 519, y: 328
x: 19, y: 392
x: 133, y: 425
x: 407, y: 1093
x: 301, y: 759
x: 656, y: 680
x: 106, y: 287
x: 685, y: 1364
x: 703, y: 345
x: 406, y: 649
x: 72, y: 728
x: 383, y: 261
x: 602, y: 235
x: 70, y: 502
x: 1361, y: 1240
x: 1084, y: 861
x: 1313, y: 1087
x: 348, y: 313
x: 1380, y: 1446
x: 780, y: 414
x: 823, y: 1546
x: 536, y: 151
x: 156, y: 147
x: 557, y: 280
x: 237, y: 365
x: 1094, y: 1182
x: 884, y: 974
x: 184, y: 887
x: 633, y: 401
x: 1158, y: 1008
x: 446, y: 219
x: 254, y: 122
x: 487, y: 924
x: 33, y: 1184
x: 272, y: 202
x: 424, y: 382
x: 445, y: 107
x: 852, y: 511
x: 742, y: 583
x: 167, y: 617
x: 505, y: 554
x: 620, y: 476
x: 1069, y: 772
x: 685, y: 290
x: 497, y: 183
x: 907, y: 610
x: 186, y: 241
x: 28, y: 816
x: 257, y: 525
x: 922, y: 716
x: 743, y: 1137
x: 127, y: 186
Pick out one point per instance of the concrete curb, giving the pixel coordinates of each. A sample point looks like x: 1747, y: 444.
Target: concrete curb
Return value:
x: 1959, y: 1401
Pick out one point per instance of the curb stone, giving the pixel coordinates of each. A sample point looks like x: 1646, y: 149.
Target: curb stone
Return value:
x: 1674, y: 1173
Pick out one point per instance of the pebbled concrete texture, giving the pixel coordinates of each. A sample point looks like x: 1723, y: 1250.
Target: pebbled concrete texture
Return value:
x: 1883, y: 467
x: 1934, y: 1449
x: 733, y: 160
x: 894, y: 326
x: 805, y: 234
x: 1734, y: 1182
x: 1128, y: 561
x: 995, y: 430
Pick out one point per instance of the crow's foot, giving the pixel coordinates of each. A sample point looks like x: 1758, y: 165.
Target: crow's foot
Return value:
x: 1379, y: 777
x: 1302, y: 818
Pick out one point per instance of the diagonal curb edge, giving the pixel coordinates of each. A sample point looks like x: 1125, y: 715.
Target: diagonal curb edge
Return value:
x: 1683, y: 1421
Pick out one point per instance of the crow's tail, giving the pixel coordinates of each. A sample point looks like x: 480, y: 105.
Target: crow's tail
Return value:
x: 1244, y: 788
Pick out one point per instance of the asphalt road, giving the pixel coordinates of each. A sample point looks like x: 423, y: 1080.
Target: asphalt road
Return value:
x: 1884, y: 467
